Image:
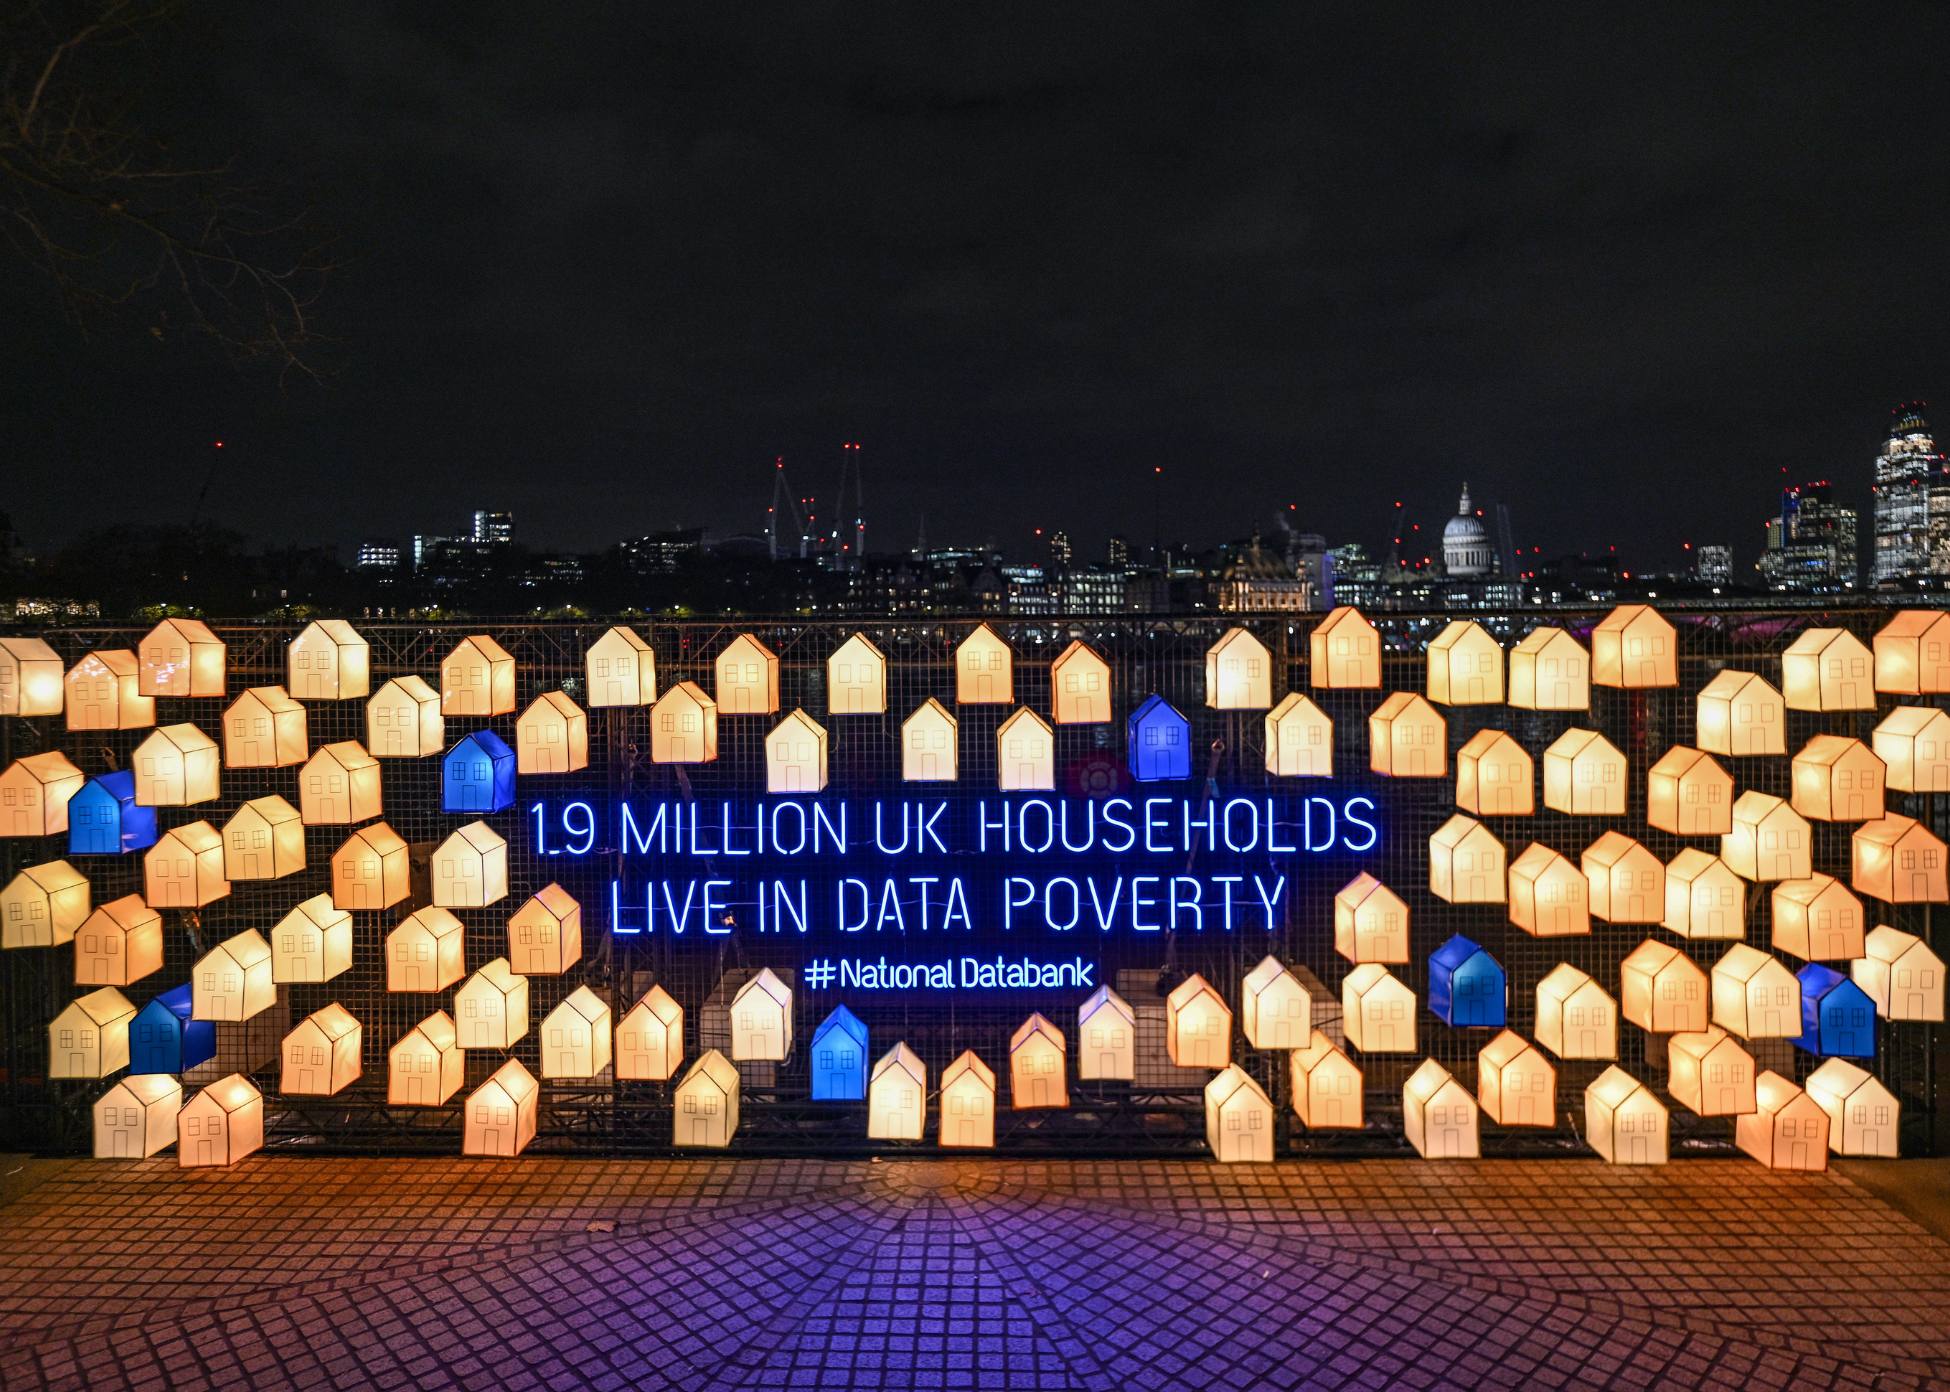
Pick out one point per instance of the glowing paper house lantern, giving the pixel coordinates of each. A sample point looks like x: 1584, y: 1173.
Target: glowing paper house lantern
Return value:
x: 1025, y: 753
x: 90, y: 1037
x: 1326, y: 1086
x: 165, y: 1039
x: 761, y: 1019
x: 322, y: 1054
x: 1575, y: 1018
x: 1549, y: 896
x: 1755, y: 996
x: 180, y: 657
x: 552, y: 736
x: 1079, y: 686
x: 1901, y: 975
x: 839, y: 1058
x: 1688, y: 794
x: 264, y: 728
x: 1550, y: 670
x: 404, y: 721
x: 263, y: 840
x: 104, y: 693
x: 1837, y: 779
x: 1837, y: 1016
x: 233, y: 981
x: 184, y: 869
x: 328, y: 661
x: 1106, y: 1037
x: 1377, y: 1011
x: 1769, y: 840
x: 1709, y: 1074
x: 1863, y: 1115
x: 1198, y: 1026
x: 1275, y: 1010
x: 1494, y: 776
x: 105, y: 819
x: 929, y: 751
x: 34, y: 794
x: 1299, y: 739
x: 1407, y: 738
x: 1817, y: 920
x: 1038, y: 1075
x: 1238, y: 672
x: 470, y: 869
x: 795, y: 755
x: 1633, y: 646
x: 137, y: 1117
x: 984, y: 670
x: 1345, y: 650
x: 706, y: 1102
x: 1661, y: 990
x: 426, y: 951
x: 312, y: 943
x: 118, y: 944
x: 545, y: 933
x: 43, y: 905
x: 502, y: 1114
x: 1912, y: 653
x: 1515, y: 1084
x: 1238, y: 1118
x: 748, y: 678
x: 477, y: 678
x: 1158, y: 742
x: 220, y: 1125
x: 1370, y: 922
x: 650, y: 1039
x: 1898, y: 860
x: 491, y: 1007
x: 968, y: 1104
x: 30, y: 677
x: 426, y: 1066
x: 1828, y: 669
x: 856, y: 678
x: 1623, y: 1121
x: 1465, y: 666
x: 1584, y: 775
x: 371, y: 870
x: 1466, y: 863
x: 1467, y: 988
x: 339, y: 785
x: 897, y: 1095
x: 1439, y: 1117
x: 1627, y: 883
x: 1705, y: 900
x: 1738, y: 714
x: 683, y: 727
x: 1913, y: 743
x: 1787, y: 1130
x: 621, y: 669
x: 576, y: 1036
x: 478, y: 774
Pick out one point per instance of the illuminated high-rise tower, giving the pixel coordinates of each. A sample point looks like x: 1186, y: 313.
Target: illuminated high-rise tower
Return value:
x: 1912, y: 501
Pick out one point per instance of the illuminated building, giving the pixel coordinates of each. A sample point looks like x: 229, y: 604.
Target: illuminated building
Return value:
x: 1912, y: 501
x: 1811, y: 545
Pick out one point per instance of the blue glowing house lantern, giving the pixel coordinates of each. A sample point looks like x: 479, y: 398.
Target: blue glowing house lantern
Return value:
x: 1466, y: 985
x: 105, y: 819
x: 164, y: 1039
x: 1838, y: 1020
x: 1158, y: 741
x: 478, y: 774
x: 839, y: 1058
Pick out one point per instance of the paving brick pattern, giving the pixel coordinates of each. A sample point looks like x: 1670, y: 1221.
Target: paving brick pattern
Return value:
x: 964, y: 1274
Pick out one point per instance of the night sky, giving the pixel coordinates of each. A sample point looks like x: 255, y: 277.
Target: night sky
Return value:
x: 1618, y: 269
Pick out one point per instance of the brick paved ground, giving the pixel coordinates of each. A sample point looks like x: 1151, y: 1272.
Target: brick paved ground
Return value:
x: 963, y: 1274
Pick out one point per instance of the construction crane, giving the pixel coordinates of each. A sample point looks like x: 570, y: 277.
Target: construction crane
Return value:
x: 785, y: 502
x: 842, y: 548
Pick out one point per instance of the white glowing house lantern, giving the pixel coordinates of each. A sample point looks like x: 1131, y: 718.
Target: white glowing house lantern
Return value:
x: 312, y: 943
x: 650, y: 1038
x: 761, y: 1019
x: 1740, y: 715
x: 184, y: 869
x: 552, y: 736
x: 1705, y: 900
x: 1079, y: 686
x: 137, y: 1117
x: 1550, y: 671
x: 621, y: 669
x: 502, y: 1114
x: 1688, y: 794
x: 1913, y: 743
x: 930, y: 752
x: 1377, y: 1011
x: 1407, y: 738
x: 220, y: 1125
x: 90, y: 1037
x: 747, y: 678
x: 1627, y: 882
x: 477, y: 678
x: 1787, y: 1130
x: 264, y: 728
x: 968, y: 1104
x: 118, y: 944
x: 339, y: 785
x: 1769, y: 840
x: 1624, y: 1121
x: 104, y: 693
x: 856, y: 678
x: 706, y: 1103
x: 1467, y: 864
x: 1584, y: 775
x: 1755, y: 996
x: 984, y: 670
x: 1238, y: 672
x: 233, y: 981
x: 34, y: 793
x: 684, y: 726
x: 1439, y: 1116
x: 1662, y: 990
x: 795, y: 755
x: 1370, y: 922
x: 470, y: 869
x: 403, y: 720
x: 1025, y: 753
x: 322, y: 1054
x: 1326, y: 1086
x: 1634, y: 647
x: 425, y: 952
x: 1038, y: 1071
x: 1344, y: 651
x: 897, y: 1096
x: 1198, y: 1025
x: 1495, y: 776
x: 545, y: 933
x: 1465, y: 666
x: 1549, y: 896
x: 1898, y: 860
x: 1238, y: 1118
x: 30, y: 677
x: 491, y: 1007
x: 1863, y: 1115
x: 263, y: 840
x: 1575, y: 1018
x: 175, y: 767
x: 43, y: 905
x: 328, y: 661
x: 427, y: 1065
x: 180, y: 657
x: 1817, y: 920
x: 1106, y: 1037
x: 1709, y: 1074
x: 576, y: 1036
x: 1299, y: 739
x: 372, y: 869
x: 1275, y: 1010
x: 1837, y: 779
x: 1828, y: 669
x: 1900, y: 974
x: 1515, y: 1084
x: 1912, y: 653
